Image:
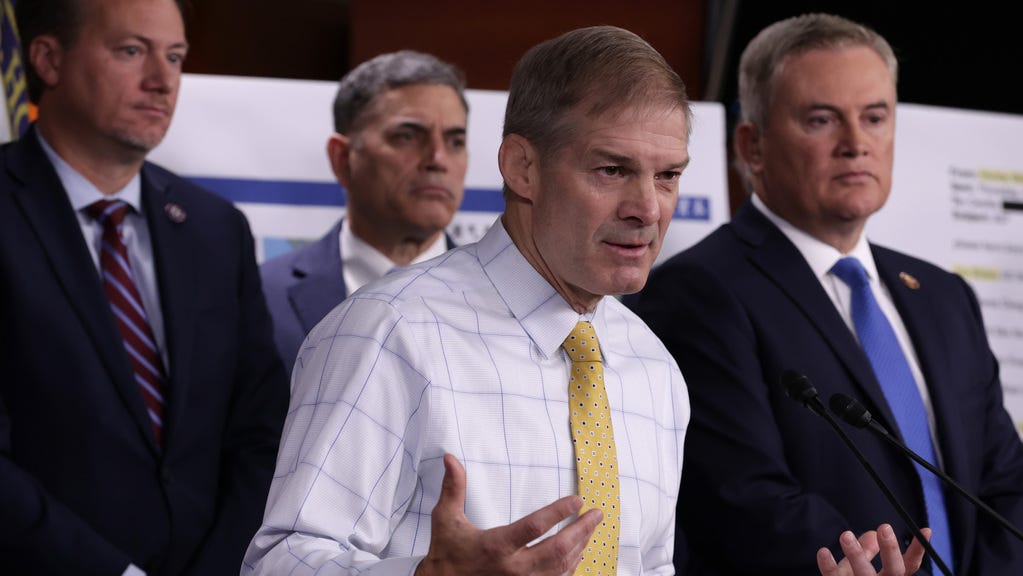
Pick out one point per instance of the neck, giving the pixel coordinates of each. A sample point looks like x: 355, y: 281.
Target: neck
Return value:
x: 105, y: 169
x: 518, y: 224
x: 842, y: 235
x: 399, y: 246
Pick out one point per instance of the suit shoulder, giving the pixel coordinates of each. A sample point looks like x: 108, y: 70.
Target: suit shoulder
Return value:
x: 913, y: 265
x: 716, y: 254
x: 322, y: 255
x: 279, y: 268
x: 188, y: 191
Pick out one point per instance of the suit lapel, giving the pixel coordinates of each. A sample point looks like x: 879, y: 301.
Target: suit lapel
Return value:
x: 778, y: 259
x: 48, y: 210
x: 173, y: 251
x: 320, y: 285
x: 917, y: 310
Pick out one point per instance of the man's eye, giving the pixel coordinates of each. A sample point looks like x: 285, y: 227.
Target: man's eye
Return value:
x: 611, y: 170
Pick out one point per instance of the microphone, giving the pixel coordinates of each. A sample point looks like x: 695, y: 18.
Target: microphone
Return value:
x: 854, y: 413
x: 798, y: 387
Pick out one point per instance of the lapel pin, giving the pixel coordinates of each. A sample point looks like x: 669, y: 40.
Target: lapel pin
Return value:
x: 175, y: 213
x: 909, y: 281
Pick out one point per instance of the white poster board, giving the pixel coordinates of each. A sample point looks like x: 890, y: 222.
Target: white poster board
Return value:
x: 957, y: 197
x: 957, y: 201
x: 262, y: 143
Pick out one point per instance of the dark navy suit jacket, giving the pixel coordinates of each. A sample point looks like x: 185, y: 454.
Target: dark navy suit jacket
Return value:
x: 765, y: 482
x: 302, y: 286
x: 84, y: 489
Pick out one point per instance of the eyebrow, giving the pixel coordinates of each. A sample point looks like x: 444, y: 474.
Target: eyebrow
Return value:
x: 420, y: 127
x: 621, y: 160
x: 152, y: 43
x: 881, y: 104
x: 681, y: 165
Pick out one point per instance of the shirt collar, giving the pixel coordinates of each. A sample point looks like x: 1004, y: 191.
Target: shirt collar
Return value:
x: 543, y: 313
x: 81, y: 192
x: 820, y: 256
x: 363, y: 263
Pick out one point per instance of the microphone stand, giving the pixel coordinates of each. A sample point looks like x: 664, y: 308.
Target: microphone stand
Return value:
x: 850, y: 409
x: 799, y: 388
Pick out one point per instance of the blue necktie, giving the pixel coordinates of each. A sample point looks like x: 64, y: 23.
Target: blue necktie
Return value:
x: 892, y: 370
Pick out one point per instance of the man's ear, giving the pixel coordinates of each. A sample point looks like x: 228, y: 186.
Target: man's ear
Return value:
x: 44, y: 55
x: 339, y: 149
x: 747, y: 146
x: 517, y: 159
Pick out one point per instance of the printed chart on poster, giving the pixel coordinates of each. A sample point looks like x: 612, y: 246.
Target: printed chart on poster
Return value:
x: 957, y: 200
x: 262, y: 143
x: 957, y: 197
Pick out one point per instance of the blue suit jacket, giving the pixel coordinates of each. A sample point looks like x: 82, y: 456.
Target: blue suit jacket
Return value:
x: 302, y: 286
x: 765, y: 482
x: 84, y: 489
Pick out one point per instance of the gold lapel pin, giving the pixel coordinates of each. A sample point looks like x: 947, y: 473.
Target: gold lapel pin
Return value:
x: 909, y: 281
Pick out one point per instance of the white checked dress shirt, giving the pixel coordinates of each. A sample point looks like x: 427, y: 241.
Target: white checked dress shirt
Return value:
x: 461, y: 354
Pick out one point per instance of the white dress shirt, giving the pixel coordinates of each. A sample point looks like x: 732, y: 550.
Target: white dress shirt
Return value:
x: 362, y: 263
x: 461, y: 355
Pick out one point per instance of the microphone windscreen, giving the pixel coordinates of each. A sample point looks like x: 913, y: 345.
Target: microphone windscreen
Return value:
x: 850, y: 410
x: 798, y: 386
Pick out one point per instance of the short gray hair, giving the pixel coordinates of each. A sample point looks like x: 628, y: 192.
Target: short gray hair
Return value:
x: 360, y: 86
x: 765, y: 55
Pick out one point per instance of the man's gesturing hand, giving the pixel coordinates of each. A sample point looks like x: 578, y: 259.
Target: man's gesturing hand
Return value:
x: 458, y: 547
x: 860, y: 552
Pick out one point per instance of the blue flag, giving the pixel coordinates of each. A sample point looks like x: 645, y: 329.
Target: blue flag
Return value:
x: 12, y: 69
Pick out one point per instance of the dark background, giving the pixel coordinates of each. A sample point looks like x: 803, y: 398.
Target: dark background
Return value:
x: 955, y: 54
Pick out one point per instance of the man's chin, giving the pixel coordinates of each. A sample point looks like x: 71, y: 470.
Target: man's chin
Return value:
x: 140, y: 143
x: 630, y: 284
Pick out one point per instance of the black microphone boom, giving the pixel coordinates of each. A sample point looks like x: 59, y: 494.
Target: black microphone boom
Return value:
x: 854, y: 413
x: 798, y: 387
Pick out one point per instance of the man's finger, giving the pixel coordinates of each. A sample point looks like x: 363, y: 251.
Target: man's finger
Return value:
x: 826, y: 562
x: 452, y: 488
x: 855, y: 555
x: 869, y: 544
x: 891, y: 554
x: 914, y: 557
x: 529, y: 528
x: 562, y: 551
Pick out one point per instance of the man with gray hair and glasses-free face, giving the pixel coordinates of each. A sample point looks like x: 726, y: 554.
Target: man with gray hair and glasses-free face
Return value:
x: 792, y: 283
x: 399, y: 151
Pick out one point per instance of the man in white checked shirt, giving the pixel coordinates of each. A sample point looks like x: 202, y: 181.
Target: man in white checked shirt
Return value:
x: 429, y: 426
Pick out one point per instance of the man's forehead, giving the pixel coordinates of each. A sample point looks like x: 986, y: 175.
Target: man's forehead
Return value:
x: 413, y: 101
x: 661, y: 119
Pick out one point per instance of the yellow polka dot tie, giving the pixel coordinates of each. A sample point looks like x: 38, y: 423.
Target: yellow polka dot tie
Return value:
x: 596, y: 460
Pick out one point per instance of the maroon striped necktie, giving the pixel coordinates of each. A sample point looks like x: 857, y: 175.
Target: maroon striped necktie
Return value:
x: 119, y: 284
